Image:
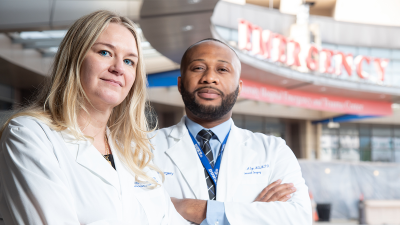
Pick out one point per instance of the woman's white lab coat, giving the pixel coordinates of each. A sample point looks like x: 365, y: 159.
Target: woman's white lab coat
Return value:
x: 48, y: 177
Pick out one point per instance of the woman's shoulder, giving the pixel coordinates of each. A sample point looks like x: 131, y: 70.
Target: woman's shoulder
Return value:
x: 29, y: 122
x: 26, y: 126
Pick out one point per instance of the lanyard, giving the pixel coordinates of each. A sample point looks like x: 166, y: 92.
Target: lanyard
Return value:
x: 204, y: 160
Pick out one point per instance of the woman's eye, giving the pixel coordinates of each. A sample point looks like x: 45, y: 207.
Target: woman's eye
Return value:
x: 104, y: 53
x: 128, y: 62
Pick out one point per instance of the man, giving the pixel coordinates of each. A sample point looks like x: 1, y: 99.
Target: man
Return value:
x: 215, y: 172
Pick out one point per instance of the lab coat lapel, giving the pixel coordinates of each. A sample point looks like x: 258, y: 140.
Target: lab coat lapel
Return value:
x: 91, y: 159
x: 235, y: 159
x: 127, y: 182
x: 184, y: 156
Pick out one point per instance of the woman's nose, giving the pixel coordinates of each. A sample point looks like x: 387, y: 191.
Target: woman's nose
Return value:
x: 117, y: 67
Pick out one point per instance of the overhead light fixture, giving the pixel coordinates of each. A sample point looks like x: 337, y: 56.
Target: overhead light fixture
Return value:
x: 333, y: 125
x: 187, y: 28
x: 395, y: 106
x: 376, y: 173
x: 194, y: 1
x: 327, y: 171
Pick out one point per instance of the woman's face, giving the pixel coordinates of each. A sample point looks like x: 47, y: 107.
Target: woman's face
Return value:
x: 109, y: 69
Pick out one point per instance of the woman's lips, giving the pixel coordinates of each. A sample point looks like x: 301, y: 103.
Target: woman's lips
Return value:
x: 208, y: 93
x: 112, y: 82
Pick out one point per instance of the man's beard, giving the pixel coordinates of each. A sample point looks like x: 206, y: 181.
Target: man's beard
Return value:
x: 209, y: 112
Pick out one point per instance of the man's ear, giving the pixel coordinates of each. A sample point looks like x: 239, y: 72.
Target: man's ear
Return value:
x: 179, y: 84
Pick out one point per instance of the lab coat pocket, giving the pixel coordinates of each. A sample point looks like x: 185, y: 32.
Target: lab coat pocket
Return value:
x: 153, y: 203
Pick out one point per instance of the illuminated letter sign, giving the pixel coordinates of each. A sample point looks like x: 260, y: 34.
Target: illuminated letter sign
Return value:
x: 345, y: 60
x: 312, y: 58
x: 278, y: 48
x: 244, y: 35
x: 381, y: 65
x: 359, y: 60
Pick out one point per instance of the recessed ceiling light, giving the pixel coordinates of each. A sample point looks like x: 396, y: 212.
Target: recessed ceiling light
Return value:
x: 187, y: 28
x: 194, y: 1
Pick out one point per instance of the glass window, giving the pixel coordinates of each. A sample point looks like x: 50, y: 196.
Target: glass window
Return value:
x: 329, y: 143
x: 234, y: 35
x: 381, y: 144
x: 349, y: 142
x: 384, y: 131
x: 224, y: 32
x: 328, y: 46
x: 395, y: 54
x: 238, y: 120
x: 347, y: 49
x: 363, y: 51
x: 381, y: 52
x: 395, y: 66
x: 365, y: 148
x: 254, y: 123
x: 274, y: 128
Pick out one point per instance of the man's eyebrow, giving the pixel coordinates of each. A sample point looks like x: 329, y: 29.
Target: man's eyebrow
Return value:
x: 223, y: 61
x: 113, y: 47
x: 202, y: 60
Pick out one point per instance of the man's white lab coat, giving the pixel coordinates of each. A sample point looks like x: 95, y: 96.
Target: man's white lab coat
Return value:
x: 250, y: 163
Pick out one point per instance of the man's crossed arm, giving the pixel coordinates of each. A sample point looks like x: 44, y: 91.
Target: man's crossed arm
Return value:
x: 195, y: 210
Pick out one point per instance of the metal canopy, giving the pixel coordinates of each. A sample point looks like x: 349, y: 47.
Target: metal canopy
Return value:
x: 172, y: 26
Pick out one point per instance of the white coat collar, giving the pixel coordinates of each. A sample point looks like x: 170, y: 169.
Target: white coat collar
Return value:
x: 237, y: 157
x: 90, y: 158
x: 234, y: 161
x: 183, y: 154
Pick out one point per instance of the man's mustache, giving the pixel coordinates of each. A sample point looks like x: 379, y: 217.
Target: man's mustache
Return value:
x: 219, y: 91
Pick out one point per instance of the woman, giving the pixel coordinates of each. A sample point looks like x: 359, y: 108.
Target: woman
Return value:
x: 69, y: 158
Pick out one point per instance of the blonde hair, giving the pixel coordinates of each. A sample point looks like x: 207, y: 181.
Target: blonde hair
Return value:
x: 63, y: 97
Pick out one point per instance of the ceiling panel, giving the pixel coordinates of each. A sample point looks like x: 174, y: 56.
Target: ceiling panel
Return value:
x: 23, y: 13
x: 163, y: 7
x: 18, y: 15
x: 69, y: 11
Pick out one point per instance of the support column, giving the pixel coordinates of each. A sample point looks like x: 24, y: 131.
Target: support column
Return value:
x: 318, y: 134
x: 307, y: 140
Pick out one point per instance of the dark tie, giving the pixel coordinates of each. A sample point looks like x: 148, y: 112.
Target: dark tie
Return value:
x: 205, y: 137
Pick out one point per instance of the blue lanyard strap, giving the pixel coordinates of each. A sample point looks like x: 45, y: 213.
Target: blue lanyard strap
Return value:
x: 204, y: 160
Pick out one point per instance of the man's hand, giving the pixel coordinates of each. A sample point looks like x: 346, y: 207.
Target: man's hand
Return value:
x: 276, y: 192
x: 193, y: 210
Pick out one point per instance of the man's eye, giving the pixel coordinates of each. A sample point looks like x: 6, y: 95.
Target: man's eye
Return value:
x: 104, y: 53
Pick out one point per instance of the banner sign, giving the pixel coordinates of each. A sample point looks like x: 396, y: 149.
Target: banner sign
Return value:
x: 262, y: 92
x: 288, y: 52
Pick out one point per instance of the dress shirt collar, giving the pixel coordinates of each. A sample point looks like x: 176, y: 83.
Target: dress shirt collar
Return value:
x: 220, y: 130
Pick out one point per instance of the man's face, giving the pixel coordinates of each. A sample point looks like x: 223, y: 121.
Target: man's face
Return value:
x: 210, y: 81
